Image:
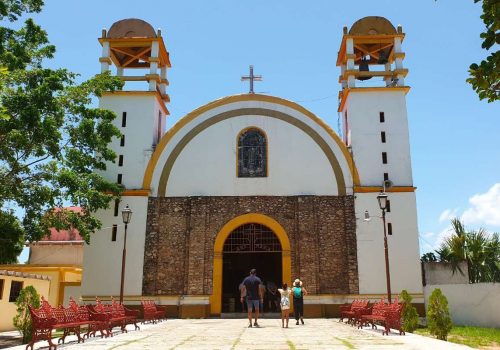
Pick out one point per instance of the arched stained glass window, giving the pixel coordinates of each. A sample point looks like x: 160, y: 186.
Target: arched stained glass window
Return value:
x: 252, y: 154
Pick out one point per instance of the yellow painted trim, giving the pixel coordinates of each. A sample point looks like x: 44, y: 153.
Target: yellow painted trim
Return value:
x: 238, y: 153
x: 136, y: 193
x: 141, y: 93
x: 347, y: 91
x: 399, y: 55
x: 376, y: 189
x: 167, y: 137
x: 105, y: 59
x: 229, y: 227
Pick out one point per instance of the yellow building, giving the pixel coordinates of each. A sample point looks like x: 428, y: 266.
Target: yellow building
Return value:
x: 58, y: 256
x: 11, y: 283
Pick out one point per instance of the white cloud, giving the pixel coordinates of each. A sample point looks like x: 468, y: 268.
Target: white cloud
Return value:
x: 485, y: 208
x: 448, y: 214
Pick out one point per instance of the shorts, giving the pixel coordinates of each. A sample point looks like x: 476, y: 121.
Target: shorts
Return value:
x: 255, y: 304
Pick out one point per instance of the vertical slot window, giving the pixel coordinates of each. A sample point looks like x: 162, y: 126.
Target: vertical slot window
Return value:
x: 113, y: 233
x: 117, y: 204
x: 382, y: 117
x: 124, y: 119
x: 388, y: 207
x: 386, y: 176
x: 120, y: 160
x: 119, y: 179
x: 122, y: 141
x: 389, y: 229
x: 384, y: 157
x: 382, y: 136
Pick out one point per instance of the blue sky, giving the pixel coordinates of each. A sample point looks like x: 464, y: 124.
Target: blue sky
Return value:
x: 455, y: 139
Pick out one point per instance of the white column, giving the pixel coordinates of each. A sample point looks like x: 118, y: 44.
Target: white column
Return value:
x: 342, y: 71
x: 163, y: 78
x: 105, y: 59
x: 153, y: 68
x: 349, y: 47
x: 388, y: 79
x: 399, y: 60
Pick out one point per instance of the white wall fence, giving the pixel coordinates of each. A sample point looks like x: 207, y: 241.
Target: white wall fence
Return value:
x: 475, y: 304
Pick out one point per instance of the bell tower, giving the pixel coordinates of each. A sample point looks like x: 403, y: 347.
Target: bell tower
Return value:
x: 372, y: 104
x: 133, y: 46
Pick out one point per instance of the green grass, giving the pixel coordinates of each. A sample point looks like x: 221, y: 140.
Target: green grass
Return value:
x: 475, y: 337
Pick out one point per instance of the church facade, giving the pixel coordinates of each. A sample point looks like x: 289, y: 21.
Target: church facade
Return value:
x: 256, y: 181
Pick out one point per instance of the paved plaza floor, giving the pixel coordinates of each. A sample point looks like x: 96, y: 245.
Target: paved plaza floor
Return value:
x: 233, y: 334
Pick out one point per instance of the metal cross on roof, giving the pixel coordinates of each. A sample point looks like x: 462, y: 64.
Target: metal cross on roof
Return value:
x: 251, y: 77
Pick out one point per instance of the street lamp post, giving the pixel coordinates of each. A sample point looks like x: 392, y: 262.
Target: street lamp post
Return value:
x: 382, y: 203
x: 126, y: 215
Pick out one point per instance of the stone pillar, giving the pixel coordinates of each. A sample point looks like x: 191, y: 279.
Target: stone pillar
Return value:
x: 349, y: 46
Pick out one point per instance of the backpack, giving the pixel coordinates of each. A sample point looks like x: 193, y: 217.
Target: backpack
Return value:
x: 297, y: 292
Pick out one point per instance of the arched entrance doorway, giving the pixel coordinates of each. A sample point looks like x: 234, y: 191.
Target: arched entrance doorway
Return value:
x: 251, y: 246
x: 270, y: 224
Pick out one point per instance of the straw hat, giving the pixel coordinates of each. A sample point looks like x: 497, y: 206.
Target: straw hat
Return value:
x: 297, y: 281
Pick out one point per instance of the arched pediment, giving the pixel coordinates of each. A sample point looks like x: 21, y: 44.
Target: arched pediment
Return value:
x: 317, y: 135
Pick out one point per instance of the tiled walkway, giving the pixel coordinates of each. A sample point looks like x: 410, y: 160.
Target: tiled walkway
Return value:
x: 234, y: 334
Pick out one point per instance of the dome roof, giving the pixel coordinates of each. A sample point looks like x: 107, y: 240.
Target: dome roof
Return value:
x: 131, y: 28
x: 372, y: 25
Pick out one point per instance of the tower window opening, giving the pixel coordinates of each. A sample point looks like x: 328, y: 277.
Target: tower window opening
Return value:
x: 382, y: 117
x: 386, y: 176
x: 120, y: 160
x: 113, y: 233
x: 122, y: 141
x: 389, y: 229
x: 117, y: 203
x: 124, y: 119
x: 119, y: 179
x: 382, y: 136
x: 388, y: 206
x: 384, y: 157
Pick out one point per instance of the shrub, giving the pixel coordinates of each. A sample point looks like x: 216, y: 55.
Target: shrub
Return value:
x: 22, y: 321
x: 438, y: 315
x: 410, y: 314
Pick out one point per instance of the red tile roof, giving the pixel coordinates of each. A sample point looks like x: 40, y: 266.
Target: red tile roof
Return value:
x: 64, y: 235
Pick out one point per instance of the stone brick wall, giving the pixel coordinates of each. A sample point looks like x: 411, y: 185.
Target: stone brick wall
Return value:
x: 181, y: 232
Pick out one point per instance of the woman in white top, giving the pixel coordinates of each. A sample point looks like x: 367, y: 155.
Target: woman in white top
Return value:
x: 285, y: 304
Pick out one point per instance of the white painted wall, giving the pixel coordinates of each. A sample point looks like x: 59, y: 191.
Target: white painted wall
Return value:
x: 71, y: 291
x: 102, y: 258
x: 404, y: 259
x: 66, y: 253
x: 363, y: 109
x: 140, y: 135
x: 207, y: 165
x: 471, y: 304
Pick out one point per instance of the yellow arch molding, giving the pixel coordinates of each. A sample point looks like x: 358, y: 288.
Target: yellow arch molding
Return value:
x: 148, y: 174
x: 252, y: 218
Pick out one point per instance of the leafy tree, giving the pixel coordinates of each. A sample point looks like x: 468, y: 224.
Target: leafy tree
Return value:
x: 485, y: 76
x: 410, y: 314
x: 438, y: 315
x: 22, y: 321
x: 428, y: 257
x: 11, y: 238
x: 51, y: 141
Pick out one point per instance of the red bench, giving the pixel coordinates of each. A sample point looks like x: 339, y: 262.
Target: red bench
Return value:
x: 152, y: 312
x: 47, y: 318
x: 115, y: 316
x: 96, y: 322
x: 353, y: 311
x: 387, y: 315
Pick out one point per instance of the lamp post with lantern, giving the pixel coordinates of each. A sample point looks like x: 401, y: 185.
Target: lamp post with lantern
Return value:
x: 126, y: 215
x: 382, y: 203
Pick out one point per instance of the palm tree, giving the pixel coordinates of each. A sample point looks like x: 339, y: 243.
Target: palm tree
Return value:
x: 477, y: 248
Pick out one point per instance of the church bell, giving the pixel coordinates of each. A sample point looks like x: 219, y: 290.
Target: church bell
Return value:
x: 363, y: 67
x: 382, y: 58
